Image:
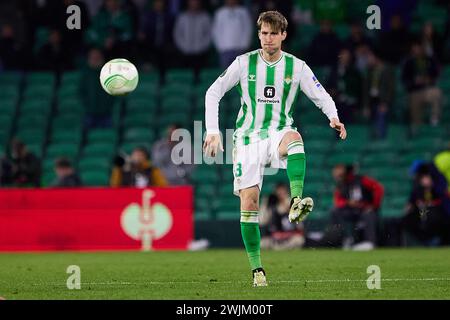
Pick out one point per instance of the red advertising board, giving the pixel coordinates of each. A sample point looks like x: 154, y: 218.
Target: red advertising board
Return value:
x: 96, y: 219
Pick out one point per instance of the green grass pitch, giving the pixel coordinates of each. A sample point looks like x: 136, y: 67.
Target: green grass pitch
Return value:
x: 225, y: 274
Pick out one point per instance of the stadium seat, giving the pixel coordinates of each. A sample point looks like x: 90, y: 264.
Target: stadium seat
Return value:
x: 138, y: 134
x: 128, y: 147
x: 177, y: 91
x: 70, y: 90
x: 67, y: 121
x: 10, y: 78
x: 94, y: 164
x: 141, y: 105
x: 106, y: 150
x: 31, y: 135
x: 149, y: 77
x: 38, y: 91
x: 36, y: 148
x: 146, y: 91
x: 95, y: 178
x: 209, y: 75
x: 179, y: 76
x: 9, y: 92
x: 36, y: 106
x: 70, y: 106
x: 139, y: 119
x: 70, y: 78
x: 44, y: 78
x: 102, y: 135
x: 66, y: 136
x: 32, y: 120
x: 67, y: 150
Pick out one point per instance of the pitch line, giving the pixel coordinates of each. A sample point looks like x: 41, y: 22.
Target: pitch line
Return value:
x: 229, y: 282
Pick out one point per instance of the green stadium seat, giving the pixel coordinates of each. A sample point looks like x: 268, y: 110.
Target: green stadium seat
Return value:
x: 138, y: 134
x: 8, y: 106
x: 102, y: 135
x: 36, y: 106
x: 379, y: 159
x: 342, y: 158
x: 67, y: 121
x: 95, y: 178
x: 38, y: 92
x: 6, y: 120
x: 70, y: 90
x: 67, y: 150
x: 209, y: 75
x: 31, y: 135
x: 32, y: 120
x: 44, y: 78
x: 202, y: 215
x: 149, y: 77
x: 70, y: 106
x: 66, y: 136
x: 205, y: 190
x: 146, y: 91
x: 179, y: 76
x: 48, y: 178
x: 106, y: 150
x: 316, y: 132
x: 94, y: 164
x: 70, y: 78
x: 36, y: 148
x: 9, y: 92
x: 141, y: 105
x: 128, y: 147
x: 10, y: 78
x: 139, y: 119
x: 177, y: 91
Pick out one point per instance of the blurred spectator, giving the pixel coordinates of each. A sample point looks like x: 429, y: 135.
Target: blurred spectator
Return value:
x: 325, y: 46
x: 431, y: 41
x: 192, y: 34
x: 137, y: 171
x: 442, y: 162
x: 26, y: 167
x: 394, y: 43
x: 232, y: 31
x: 53, y: 55
x: 357, y: 200
x: 156, y: 35
x: 11, y: 51
x: 98, y: 104
x: 66, y: 177
x: 176, y: 174
x: 5, y: 171
x: 277, y: 231
x: 419, y: 75
x: 378, y: 93
x: 345, y: 86
x: 425, y: 216
x: 390, y: 8
x: 356, y: 37
x: 111, y: 29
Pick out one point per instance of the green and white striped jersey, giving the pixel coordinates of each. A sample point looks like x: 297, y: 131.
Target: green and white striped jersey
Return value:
x: 268, y: 92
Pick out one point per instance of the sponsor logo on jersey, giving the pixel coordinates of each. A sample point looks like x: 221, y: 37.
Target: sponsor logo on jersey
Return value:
x: 269, y: 91
x: 316, y: 82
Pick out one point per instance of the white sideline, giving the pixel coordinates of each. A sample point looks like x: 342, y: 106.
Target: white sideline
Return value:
x: 228, y: 282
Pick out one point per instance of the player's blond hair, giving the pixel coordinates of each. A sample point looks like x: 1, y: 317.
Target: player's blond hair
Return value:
x: 276, y: 20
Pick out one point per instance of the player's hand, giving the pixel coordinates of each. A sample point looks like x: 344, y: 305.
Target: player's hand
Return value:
x: 336, y: 124
x: 213, y: 143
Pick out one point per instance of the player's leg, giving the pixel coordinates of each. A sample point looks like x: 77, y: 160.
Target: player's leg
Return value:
x: 291, y: 145
x: 250, y: 232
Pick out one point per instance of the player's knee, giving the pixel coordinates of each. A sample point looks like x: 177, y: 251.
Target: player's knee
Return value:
x: 293, y: 136
x: 249, y: 202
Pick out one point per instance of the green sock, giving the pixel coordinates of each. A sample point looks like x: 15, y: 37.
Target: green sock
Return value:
x: 296, y: 165
x: 252, y: 238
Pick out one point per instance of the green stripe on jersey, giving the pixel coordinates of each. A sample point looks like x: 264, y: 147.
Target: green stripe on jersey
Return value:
x: 270, y: 81
x: 240, y: 121
x: 288, y: 70
x: 253, y: 62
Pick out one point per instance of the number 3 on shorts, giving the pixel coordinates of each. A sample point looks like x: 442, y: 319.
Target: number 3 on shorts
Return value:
x: 238, y: 170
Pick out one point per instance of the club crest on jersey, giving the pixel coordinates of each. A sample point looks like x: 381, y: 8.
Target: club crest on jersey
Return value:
x: 251, y: 77
x: 269, y: 91
x: 316, y: 82
x: 288, y: 80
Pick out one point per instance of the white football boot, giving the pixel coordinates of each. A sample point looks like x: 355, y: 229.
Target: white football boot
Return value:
x: 259, y: 278
x: 300, y: 209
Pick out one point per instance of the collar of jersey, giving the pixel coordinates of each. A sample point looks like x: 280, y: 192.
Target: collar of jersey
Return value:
x: 268, y: 63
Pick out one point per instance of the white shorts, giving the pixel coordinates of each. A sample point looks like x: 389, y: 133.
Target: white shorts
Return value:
x: 249, y: 161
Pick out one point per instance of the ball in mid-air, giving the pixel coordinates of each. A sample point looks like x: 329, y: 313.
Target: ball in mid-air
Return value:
x: 119, y: 77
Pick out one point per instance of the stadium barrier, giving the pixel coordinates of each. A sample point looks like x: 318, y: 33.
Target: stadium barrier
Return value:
x: 96, y: 219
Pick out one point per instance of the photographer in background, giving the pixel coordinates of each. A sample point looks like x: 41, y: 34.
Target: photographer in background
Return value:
x: 66, y: 177
x: 136, y: 171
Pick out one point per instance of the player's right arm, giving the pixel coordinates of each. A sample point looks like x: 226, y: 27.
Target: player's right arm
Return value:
x: 227, y: 80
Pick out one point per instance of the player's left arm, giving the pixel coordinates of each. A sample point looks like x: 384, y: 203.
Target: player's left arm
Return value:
x: 320, y: 97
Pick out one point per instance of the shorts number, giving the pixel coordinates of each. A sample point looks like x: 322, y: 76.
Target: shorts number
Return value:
x: 238, y: 171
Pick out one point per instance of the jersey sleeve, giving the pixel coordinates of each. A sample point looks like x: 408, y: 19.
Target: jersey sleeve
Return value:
x: 225, y: 82
x: 317, y: 93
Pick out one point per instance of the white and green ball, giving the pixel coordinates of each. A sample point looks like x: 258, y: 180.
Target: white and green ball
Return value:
x: 119, y: 77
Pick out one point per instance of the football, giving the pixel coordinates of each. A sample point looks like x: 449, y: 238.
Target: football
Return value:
x: 119, y: 77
